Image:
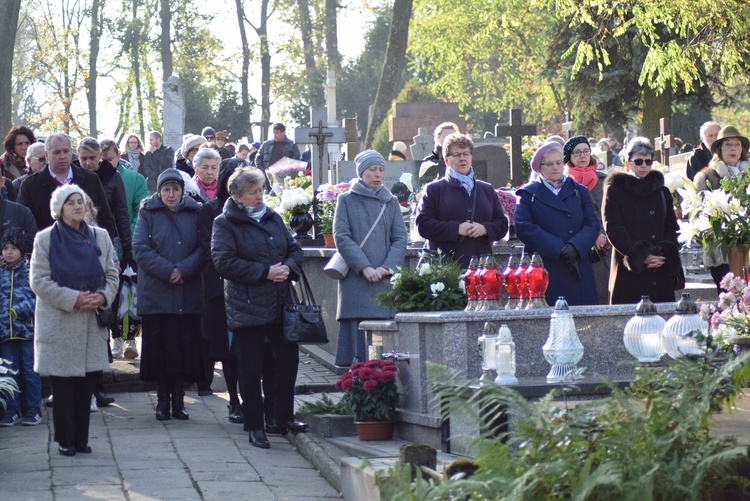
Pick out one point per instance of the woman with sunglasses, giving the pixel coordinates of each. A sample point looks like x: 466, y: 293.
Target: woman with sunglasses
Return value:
x: 730, y: 159
x: 640, y: 224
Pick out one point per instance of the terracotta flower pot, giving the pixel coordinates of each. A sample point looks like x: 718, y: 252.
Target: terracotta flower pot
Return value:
x: 375, y: 430
x: 328, y: 239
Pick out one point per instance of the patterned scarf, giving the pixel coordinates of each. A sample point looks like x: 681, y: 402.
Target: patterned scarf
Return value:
x: 465, y: 180
x: 554, y: 186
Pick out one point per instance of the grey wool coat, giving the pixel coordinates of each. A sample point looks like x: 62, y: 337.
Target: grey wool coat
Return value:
x: 356, y: 211
x: 68, y: 342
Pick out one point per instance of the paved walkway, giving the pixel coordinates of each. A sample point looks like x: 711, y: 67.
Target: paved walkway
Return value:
x: 137, y: 458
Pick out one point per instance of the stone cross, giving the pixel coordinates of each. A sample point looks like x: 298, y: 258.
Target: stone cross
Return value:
x: 567, y: 125
x: 319, y: 135
x: 423, y: 144
x: 173, y: 113
x: 516, y: 131
x: 664, y: 142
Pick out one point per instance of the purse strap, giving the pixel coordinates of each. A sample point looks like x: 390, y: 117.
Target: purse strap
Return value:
x: 377, y: 219
x: 307, y: 295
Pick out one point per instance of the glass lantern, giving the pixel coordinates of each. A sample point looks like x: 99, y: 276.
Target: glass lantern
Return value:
x: 509, y: 279
x: 486, y: 349
x: 521, y: 284
x: 643, y: 333
x: 492, y: 285
x: 563, y: 350
x: 478, y: 284
x: 505, y: 357
x: 537, y: 280
x: 470, y: 283
x: 691, y: 256
x: 675, y: 335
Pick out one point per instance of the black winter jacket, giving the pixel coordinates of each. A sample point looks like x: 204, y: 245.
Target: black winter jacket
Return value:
x: 243, y: 251
x: 154, y: 163
x: 114, y: 190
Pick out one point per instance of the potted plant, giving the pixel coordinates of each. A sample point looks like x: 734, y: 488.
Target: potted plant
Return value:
x: 327, y: 196
x: 371, y: 396
x: 295, y: 205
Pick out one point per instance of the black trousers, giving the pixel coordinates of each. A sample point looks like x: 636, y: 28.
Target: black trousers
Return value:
x: 248, y: 344
x: 71, y: 411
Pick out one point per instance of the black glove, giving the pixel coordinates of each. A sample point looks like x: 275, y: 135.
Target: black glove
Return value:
x: 569, y: 256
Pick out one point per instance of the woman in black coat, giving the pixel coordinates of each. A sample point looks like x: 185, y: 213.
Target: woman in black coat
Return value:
x: 641, y: 226
x: 254, y: 252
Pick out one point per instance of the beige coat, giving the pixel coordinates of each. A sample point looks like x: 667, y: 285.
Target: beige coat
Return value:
x: 68, y: 342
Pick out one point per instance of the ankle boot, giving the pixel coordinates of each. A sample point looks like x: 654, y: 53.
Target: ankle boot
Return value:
x: 178, y: 403
x: 162, y: 405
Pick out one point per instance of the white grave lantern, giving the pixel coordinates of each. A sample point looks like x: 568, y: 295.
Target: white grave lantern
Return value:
x: 486, y: 349
x: 563, y: 350
x: 505, y: 357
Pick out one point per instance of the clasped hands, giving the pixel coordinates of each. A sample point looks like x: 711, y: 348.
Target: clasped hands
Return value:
x: 471, y: 230
x: 89, y: 300
x: 375, y: 274
x: 653, y: 262
x: 278, y: 273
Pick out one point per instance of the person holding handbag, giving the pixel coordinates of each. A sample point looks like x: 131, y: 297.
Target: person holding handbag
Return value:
x: 253, y: 251
x: 370, y: 235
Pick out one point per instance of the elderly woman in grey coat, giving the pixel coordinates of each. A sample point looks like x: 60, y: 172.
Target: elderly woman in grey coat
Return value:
x: 72, y: 274
x: 367, y: 205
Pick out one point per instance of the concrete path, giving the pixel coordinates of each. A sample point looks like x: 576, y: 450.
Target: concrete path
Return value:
x: 137, y: 458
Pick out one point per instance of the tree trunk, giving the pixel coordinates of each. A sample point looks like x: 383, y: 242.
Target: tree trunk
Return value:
x: 135, y: 59
x: 245, y: 69
x: 166, y: 40
x: 315, y: 97
x: 655, y: 107
x: 332, y: 43
x: 393, y: 66
x: 9, y: 10
x: 96, y: 33
x: 265, y: 71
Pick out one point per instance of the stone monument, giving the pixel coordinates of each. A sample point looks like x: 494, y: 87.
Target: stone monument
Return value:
x: 173, y: 113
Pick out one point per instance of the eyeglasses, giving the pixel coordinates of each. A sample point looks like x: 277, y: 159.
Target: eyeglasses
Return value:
x: 460, y: 155
x: 559, y: 163
x: 639, y: 161
x: 41, y: 159
x: 580, y: 153
x: 209, y: 138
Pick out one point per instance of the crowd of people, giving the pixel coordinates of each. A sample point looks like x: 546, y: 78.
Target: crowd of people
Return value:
x: 79, y: 221
x: 212, y: 262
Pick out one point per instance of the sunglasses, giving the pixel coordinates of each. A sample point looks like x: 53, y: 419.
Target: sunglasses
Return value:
x: 639, y: 161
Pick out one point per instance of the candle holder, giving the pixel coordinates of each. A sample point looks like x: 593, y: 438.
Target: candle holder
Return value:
x: 492, y: 284
x: 537, y: 280
x: 676, y: 334
x: 563, y: 350
x: 521, y: 283
x: 509, y: 280
x: 505, y: 357
x: 470, y: 283
x: 486, y: 349
x: 479, y: 284
x: 643, y: 333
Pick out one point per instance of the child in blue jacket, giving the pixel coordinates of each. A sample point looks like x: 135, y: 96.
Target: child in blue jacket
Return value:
x: 17, y: 303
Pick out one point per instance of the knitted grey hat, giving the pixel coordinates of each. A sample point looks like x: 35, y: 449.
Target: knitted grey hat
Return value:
x: 170, y: 176
x: 367, y: 159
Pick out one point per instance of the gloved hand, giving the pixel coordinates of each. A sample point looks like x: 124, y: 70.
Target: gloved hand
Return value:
x: 569, y: 256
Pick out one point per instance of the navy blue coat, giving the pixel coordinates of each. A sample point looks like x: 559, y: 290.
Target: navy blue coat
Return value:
x: 243, y: 251
x: 545, y: 222
x: 165, y: 240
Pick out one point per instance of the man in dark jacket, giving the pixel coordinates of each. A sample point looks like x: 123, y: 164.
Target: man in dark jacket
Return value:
x: 36, y: 190
x: 158, y: 158
x: 275, y: 149
x: 14, y: 215
x: 702, y: 153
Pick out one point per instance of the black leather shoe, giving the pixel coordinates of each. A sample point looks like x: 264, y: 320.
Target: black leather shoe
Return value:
x: 67, y: 450
x: 258, y: 439
x: 294, y: 427
x: 102, y: 399
x: 272, y: 428
x: 85, y: 449
x: 235, y: 414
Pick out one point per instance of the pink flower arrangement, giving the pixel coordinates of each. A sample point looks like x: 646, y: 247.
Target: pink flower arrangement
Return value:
x: 730, y: 317
x: 370, y: 390
x: 326, y: 196
x: 508, y: 201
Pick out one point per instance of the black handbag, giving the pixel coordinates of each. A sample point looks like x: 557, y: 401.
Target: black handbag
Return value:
x: 104, y: 316
x: 303, y: 320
